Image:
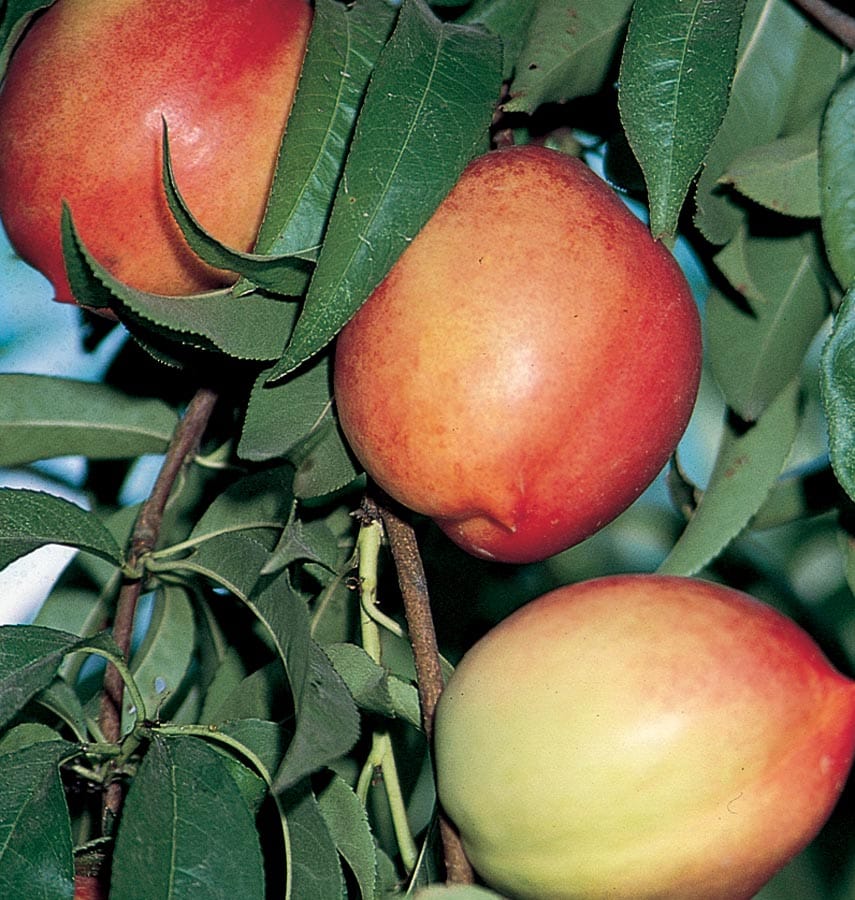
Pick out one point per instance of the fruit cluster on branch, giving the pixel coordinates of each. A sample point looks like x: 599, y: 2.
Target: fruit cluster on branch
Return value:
x: 518, y: 375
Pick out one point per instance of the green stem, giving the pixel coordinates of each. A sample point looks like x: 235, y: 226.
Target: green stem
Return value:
x: 397, y: 807
x: 368, y: 549
x: 124, y: 672
x: 381, y: 757
x: 196, y: 542
x: 212, y: 733
x: 420, y: 627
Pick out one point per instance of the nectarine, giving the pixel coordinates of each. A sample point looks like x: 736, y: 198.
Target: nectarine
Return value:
x: 81, y: 120
x: 640, y: 737
x: 529, y: 363
x: 89, y: 887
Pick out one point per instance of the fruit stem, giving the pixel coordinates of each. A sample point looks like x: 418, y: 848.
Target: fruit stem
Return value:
x: 413, y: 584
x: 368, y: 550
x: 422, y: 634
x: 184, y: 444
x: 381, y: 758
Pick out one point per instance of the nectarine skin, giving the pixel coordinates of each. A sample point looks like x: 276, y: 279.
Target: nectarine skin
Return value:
x: 81, y: 115
x: 641, y: 737
x: 528, y: 365
x: 89, y: 887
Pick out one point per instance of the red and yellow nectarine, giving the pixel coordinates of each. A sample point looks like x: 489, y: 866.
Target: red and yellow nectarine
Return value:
x: 529, y: 363
x: 641, y: 737
x: 81, y: 120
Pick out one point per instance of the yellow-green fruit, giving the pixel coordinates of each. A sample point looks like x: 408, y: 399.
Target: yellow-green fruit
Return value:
x: 641, y: 737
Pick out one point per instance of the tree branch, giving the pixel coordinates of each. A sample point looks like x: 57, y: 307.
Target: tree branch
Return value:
x: 836, y: 22
x: 413, y: 584
x: 411, y: 577
x: 184, y: 444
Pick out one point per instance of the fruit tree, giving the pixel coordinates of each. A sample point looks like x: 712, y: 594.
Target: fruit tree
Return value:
x: 437, y: 477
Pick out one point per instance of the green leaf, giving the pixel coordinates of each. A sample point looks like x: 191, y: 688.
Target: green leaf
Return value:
x: 25, y: 735
x: 782, y: 176
x: 347, y: 821
x: 782, y: 61
x: 837, y: 186
x: 76, y: 610
x: 837, y: 382
x: 163, y: 659
x: 344, y: 44
x: 120, y: 523
x: 327, y: 722
x: 264, y: 739
x: 229, y: 673
x: 850, y: 566
x: 252, y: 787
x: 569, y: 50
x: 305, y: 542
x: 800, y: 493
x: 32, y: 519
x: 675, y: 77
x: 264, y: 694
x: 287, y: 274
x: 249, y: 327
x: 746, y: 468
x: 260, y: 500
x: 313, y: 862
x: 455, y: 892
x: 36, y: 860
x: 14, y: 18
x: 509, y: 20
x: 233, y: 560
x: 295, y: 419
x: 373, y: 687
x: 249, y: 750
x: 30, y: 656
x: 43, y: 417
x: 821, y: 62
x: 755, y: 352
x: 426, y: 114
x: 186, y: 831
x: 324, y: 461
x: 61, y: 699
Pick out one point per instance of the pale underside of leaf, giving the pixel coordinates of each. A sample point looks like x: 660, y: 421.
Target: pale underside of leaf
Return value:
x: 745, y: 471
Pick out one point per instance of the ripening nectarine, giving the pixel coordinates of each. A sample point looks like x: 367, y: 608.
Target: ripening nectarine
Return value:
x: 529, y: 363
x: 81, y: 120
x: 89, y: 887
x: 639, y: 737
